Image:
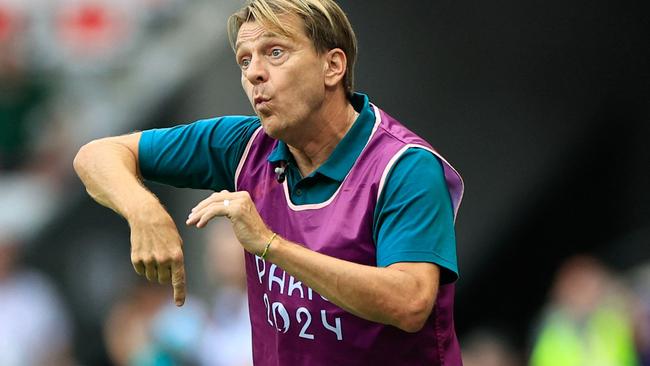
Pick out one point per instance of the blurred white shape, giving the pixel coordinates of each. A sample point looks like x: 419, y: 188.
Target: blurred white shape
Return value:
x: 227, y: 339
x: 26, y: 204
x: 34, y: 329
x: 179, y: 330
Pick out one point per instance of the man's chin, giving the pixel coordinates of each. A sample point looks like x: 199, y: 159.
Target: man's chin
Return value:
x: 270, y: 125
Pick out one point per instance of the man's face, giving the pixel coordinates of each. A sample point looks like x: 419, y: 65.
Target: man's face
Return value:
x: 282, y: 77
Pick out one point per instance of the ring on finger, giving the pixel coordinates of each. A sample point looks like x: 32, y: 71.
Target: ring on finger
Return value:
x: 226, y: 203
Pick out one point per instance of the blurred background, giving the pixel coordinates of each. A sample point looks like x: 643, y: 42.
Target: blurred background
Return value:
x: 544, y: 108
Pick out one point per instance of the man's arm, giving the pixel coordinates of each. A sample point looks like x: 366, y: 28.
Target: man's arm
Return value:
x: 401, y: 294
x: 109, y: 169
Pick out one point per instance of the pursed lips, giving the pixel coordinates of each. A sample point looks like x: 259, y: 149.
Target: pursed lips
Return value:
x: 260, y: 101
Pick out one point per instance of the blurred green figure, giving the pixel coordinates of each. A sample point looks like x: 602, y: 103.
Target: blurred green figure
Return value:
x: 21, y: 94
x: 588, y: 322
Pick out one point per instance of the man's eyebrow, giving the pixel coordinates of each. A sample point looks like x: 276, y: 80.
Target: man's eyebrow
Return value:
x: 265, y: 35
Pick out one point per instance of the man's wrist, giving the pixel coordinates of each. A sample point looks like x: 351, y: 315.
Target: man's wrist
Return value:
x: 148, y: 211
x: 267, y: 246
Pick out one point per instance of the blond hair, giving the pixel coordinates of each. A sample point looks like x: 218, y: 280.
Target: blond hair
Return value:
x: 325, y: 24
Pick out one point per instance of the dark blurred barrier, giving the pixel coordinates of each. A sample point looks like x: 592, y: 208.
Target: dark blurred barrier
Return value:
x: 545, y: 110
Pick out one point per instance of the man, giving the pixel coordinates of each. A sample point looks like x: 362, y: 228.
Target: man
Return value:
x: 347, y: 250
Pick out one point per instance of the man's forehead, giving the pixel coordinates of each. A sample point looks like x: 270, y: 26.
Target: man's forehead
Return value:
x: 253, y: 30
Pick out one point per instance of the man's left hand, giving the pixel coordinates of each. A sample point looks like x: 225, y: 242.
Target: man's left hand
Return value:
x: 239, y: 208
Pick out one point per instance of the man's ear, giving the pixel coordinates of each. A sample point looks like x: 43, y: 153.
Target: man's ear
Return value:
x: 336, y: 64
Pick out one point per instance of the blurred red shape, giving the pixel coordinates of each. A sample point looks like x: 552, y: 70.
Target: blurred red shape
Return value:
x: 88, y: 20
x: 92, y: 28
x: 6, y: 26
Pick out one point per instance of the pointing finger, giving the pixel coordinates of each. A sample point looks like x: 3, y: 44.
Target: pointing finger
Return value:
x: 178, y: 282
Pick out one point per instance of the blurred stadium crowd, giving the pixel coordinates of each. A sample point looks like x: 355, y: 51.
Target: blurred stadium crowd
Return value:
x: 72, y: 71
x: 75, y: 70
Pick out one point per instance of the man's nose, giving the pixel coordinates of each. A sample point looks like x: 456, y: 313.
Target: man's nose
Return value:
x: 257, y: 71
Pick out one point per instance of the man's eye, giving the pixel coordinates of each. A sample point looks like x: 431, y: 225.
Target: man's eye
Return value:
x: 244, y: 63
x: 276, y: 52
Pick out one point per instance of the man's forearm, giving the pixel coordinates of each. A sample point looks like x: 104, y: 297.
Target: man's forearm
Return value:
x: 109, y: 171
x: 384, y: 295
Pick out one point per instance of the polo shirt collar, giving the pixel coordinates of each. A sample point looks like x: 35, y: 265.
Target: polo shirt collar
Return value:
x: 348, y: 149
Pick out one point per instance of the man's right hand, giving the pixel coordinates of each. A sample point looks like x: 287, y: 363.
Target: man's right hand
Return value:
x: 109, y: 169
x: 157, y: 251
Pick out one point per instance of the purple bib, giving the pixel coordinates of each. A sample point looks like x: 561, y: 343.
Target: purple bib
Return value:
x: 293, y: 325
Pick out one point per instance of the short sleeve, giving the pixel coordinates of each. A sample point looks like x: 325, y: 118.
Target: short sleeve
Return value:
x: 414, y: 220
x: 202, y: 155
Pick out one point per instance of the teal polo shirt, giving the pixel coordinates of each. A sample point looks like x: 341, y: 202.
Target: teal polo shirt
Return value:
x: 413, y: 220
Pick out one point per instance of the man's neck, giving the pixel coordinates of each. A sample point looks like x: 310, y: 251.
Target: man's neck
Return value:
x: 327, y: 128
